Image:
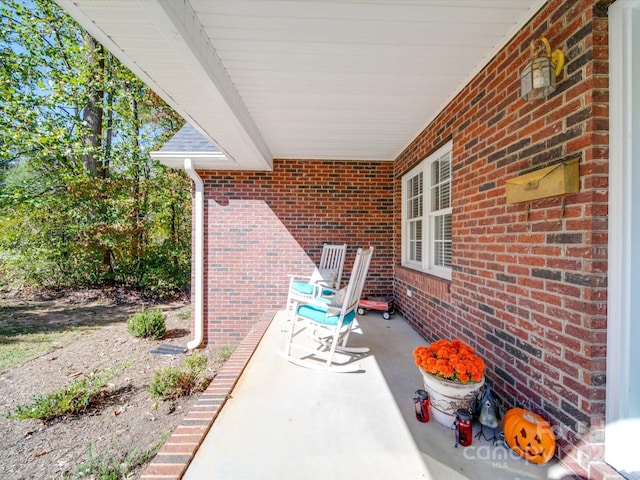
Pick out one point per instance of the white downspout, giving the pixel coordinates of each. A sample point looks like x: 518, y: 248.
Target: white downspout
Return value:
x: 198, y: 255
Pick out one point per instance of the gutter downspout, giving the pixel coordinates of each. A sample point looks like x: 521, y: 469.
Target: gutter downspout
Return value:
x: 198, y: 255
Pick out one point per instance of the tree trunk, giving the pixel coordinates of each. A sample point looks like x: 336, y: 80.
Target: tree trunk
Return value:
x: 108, y: 140
x: 92, y: 113
x: 92, y: 137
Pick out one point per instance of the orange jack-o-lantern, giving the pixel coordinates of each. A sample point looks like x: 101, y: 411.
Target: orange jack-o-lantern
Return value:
x: 529, y: 435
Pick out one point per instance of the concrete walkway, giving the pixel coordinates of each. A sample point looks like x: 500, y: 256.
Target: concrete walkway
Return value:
x: 283, y: 421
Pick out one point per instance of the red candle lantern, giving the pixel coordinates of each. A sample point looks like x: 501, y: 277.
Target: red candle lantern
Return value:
x: 464, y: 429
x: 422, y: 402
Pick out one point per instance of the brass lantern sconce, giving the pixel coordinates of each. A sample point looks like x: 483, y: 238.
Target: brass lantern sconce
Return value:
x: 538, y: 79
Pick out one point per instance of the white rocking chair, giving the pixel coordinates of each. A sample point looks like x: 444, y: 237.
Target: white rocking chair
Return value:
x: 329, y: 322
x: 328, y: 274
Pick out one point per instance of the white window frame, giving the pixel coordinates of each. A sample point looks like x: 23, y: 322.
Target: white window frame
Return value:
x: 426, y: 215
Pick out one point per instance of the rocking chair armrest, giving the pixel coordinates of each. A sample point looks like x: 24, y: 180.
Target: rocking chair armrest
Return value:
x: 305, y: 279
x: 313, y: 302
x: 338, y: 297
x: 318, y: 291
x: 333, y: 291
x: 319, y: 297
x: 298, y: 277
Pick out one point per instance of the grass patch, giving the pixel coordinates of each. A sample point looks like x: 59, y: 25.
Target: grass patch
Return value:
x: 20, y: 343
x: 107, y: 466
x: 71, y: 399
x: 172, y: 382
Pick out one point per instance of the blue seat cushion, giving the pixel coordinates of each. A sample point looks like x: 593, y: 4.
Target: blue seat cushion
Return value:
x: 307, y: 289
x: 318, y: 313
x: 303, y: 288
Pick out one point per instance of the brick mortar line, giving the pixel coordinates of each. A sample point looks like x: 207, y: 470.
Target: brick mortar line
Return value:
x: 229, y: 377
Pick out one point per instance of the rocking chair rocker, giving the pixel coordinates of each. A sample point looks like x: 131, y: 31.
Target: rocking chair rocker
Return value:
x: 329, y: 322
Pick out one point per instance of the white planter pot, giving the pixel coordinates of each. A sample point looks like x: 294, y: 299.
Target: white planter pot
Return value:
x: 447, y: 396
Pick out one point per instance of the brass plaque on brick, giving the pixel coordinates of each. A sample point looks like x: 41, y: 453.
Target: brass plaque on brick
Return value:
x: 547, y: 182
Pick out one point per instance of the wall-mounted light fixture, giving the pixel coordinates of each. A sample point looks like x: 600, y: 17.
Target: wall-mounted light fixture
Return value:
x: 538, y: 80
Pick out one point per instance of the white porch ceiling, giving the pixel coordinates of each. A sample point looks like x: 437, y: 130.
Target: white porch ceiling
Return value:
x: 302, y: 79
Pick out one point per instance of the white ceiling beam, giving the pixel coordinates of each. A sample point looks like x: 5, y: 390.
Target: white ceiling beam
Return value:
x: 180, y: 23
x: 220, y: 115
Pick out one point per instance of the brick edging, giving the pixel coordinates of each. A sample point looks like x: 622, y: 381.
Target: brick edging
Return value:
x: 174, y: 457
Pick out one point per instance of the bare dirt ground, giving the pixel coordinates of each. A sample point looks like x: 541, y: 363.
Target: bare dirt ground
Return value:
x: 130, y: 418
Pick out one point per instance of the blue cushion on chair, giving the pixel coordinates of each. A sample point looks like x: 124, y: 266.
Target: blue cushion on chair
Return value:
x: 307, y: 289
x: 303, y: 288
x: 318, y: 313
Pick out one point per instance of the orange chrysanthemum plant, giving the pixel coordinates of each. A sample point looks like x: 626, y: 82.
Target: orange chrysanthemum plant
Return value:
x: 451, y: 360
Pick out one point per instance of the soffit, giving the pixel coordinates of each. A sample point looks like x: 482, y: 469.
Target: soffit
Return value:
x: 302, y: 79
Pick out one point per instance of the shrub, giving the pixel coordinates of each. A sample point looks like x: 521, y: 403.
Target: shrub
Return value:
x: 195, y: 364
x: 69, y: 400
x: 165, y: 382
x: 147, y: 324
x: 107, y: 466
x: 173, y: 382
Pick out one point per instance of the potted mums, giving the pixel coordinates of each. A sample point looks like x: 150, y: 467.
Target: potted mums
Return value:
x: 452, y: 373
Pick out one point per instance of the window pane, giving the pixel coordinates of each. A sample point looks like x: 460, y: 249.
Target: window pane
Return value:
x: 445, y: 181
x: 440, y: 183
x: 415, y: 240
x: 442, y: 254
x: 435, y: 173
x: 414, y: 197
x: 415, y: 208
x: 418, y: 251
x: 442, y: 227
x: 445, y: 195
x: 418, y: 184
x: 442, y: 240
x: 435, y: 198
x: 445, y: 167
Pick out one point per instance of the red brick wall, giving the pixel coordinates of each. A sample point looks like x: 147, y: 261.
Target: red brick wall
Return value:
x: 528, y: 288
x: 262, y: 226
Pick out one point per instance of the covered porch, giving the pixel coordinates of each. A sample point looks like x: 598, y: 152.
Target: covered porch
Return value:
x: 264, y: 418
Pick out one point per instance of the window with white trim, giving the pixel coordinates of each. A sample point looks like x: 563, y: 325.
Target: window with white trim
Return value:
x: 426, y: 215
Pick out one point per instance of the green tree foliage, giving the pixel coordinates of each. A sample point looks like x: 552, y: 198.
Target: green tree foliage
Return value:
x: 81, y: 202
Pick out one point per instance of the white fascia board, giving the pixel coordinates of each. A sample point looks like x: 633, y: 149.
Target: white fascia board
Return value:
x: 200, y: 160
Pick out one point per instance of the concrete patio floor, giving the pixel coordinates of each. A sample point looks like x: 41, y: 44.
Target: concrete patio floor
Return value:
x: 283, y: 421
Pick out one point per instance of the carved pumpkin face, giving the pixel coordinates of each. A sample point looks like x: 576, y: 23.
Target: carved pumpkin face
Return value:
x: 529, y: 435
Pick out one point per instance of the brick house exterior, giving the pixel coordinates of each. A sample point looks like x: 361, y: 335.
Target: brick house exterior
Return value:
x: 262, y: 226
x: 529, y: 282
x: 529, y: 286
